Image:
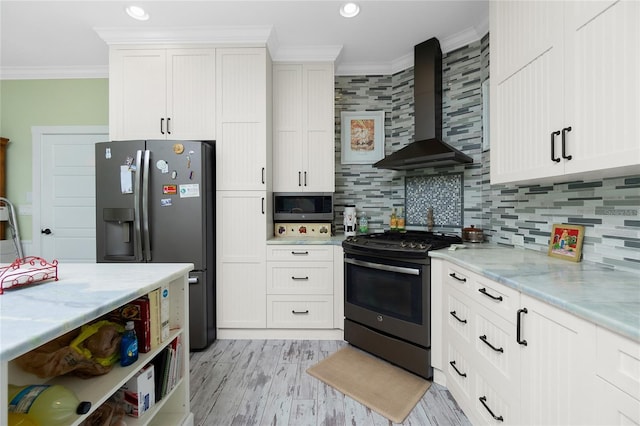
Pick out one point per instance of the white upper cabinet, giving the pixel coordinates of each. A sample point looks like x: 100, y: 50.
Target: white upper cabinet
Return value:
x: 243, y: 124
x: 565, y: 98
x: 303, y: 127
x: 162, y: 93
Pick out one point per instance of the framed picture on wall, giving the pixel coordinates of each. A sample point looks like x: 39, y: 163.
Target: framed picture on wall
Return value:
x: 362, y: 137
x: 565, y: 242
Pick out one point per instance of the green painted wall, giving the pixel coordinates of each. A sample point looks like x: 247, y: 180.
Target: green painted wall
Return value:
x: 27, y: 103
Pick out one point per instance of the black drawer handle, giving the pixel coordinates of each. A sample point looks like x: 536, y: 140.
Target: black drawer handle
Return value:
x: 453, y: 364
x: 484, y: 339
x: 486, y: 293
x: 522, y: 342
x: 453, y: 314
x: 564, y: 143
x: 300, y: 278
x: 453, y: 275
x: 300, y: 312
x: 553, y: 146
x: 483, y: 400
x: 299, y: 178
x: 300, y: 253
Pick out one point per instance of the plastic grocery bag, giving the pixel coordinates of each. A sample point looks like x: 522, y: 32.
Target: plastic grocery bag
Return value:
x: 86, y: 352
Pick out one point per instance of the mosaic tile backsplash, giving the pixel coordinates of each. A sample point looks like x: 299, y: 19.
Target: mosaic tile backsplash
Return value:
x: 442, y: 193
x: 609, y: 208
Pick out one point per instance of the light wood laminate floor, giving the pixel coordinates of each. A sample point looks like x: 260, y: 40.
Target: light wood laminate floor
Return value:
x: 264, y: 382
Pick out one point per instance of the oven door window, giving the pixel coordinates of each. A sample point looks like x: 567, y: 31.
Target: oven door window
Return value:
x: 389, y: 288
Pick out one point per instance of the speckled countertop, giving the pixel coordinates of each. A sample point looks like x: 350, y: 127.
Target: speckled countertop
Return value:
x: 334, y: 240
x: 33, y: 315
x: 607, y: 298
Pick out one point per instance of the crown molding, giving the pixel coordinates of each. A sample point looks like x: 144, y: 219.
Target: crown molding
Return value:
x: 230, y: 35
x: 306, y: 53
x: 53, y: 73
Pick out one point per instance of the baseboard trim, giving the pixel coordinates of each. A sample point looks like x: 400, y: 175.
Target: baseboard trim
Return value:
x: 282, y: 334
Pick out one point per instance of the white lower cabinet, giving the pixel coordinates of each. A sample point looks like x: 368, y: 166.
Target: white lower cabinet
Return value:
x: 530, y: 364
x: 300, y: 286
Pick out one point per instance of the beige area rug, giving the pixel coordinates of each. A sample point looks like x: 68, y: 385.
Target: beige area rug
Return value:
x: 385, y: 388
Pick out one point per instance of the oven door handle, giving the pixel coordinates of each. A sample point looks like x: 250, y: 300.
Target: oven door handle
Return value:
x: 382, y: 267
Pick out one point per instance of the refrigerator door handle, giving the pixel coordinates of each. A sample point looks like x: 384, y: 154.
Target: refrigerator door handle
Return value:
x: 136, y: 209
x: 145, y: 206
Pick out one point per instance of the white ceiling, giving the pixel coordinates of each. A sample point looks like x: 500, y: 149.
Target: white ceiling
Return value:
x: 63, y: 39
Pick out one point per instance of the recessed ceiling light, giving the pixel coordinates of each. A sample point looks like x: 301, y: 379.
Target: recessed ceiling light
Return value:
x: 349, y: 10
x: 137, y: 12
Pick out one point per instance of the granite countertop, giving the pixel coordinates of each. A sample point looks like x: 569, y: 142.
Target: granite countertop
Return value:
x: 33, y: 315
x: 334, y: 240
x: 603, y: 296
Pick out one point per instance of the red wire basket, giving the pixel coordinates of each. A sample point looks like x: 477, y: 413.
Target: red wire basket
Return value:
x: 26, y: 271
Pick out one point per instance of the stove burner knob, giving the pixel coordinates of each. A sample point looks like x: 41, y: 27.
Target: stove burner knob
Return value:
x: 422, y: 246
x: 403, y: 244
x: 412, y: 245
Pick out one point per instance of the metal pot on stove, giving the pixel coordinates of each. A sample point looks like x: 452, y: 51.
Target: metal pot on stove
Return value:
x: 472, y: 235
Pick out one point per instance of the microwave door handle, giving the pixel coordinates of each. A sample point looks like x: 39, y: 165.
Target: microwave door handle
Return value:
x: 382, y: 267
x: 145, y: 206
x: 137, y: 233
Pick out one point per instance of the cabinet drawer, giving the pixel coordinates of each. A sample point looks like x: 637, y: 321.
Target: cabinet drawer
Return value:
x: 494, y: 405
x: 457, y: 278
x: 496, y: 297
x: 299, y: 312
x: 458, y: 370
x: 299, y: 277
x: 301, y: 253
x: 458, y: 315
x: 618, y: 361
x: 495, y: 346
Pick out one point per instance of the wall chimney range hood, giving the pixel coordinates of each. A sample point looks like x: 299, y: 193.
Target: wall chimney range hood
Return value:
x: 428, y: 150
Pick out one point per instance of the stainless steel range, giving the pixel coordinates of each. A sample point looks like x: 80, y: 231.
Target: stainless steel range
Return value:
x: 388, y: 295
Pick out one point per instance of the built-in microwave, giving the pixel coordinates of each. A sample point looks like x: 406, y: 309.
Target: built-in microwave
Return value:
x: 303, y: 207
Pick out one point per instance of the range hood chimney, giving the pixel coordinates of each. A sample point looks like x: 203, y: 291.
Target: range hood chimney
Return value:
x: 428, y: 150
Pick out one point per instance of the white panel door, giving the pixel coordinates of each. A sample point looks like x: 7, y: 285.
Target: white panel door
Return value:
x: 241, y: 259
x: 64, y: 182
x: 602, y: 85
x: 137, y: 94
x: 527, y: 98
x: 287, y: 128
x: 558, y: 363
x: 319, y: 128
x: 191, y: 100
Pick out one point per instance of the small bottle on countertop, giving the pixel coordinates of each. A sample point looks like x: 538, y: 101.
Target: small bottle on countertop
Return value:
x: 363, y: 224
x: 393, y: 220
x: 400, y: 220
x: 128, y: 345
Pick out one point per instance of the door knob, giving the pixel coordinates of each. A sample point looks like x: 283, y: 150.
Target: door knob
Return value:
x: 45, y: 231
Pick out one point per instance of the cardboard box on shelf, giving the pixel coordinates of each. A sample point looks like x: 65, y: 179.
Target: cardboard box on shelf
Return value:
x: 139, y: 392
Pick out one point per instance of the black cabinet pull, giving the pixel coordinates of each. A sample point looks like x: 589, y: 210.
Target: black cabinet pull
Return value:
x: 305, y: 178
x: 262, y: 205
x: 300, y: 312
x: 483, y: 400
x: 169, y: 125
x: 484, y: 339
x: 299, y: 178
x: 564, y: 143
x: 453, y: 364
x: 520, y: 311
x: 553, y: 146
x: 300, y: 253
x: 162, y: 126
x: 263, y: 176
x: 453, y: 275
x: 486, y: 293
x: 300, y: 278
x: 453, y: 314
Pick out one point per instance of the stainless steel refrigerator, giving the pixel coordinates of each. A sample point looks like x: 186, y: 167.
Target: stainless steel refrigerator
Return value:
x: 155, y: 202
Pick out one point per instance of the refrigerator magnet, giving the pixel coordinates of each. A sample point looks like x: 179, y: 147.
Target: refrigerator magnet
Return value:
x: 189, y: 190
x: 163, y: 166
x: 178, y: 148
x: 169, y: 189
x: 164, y: 202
